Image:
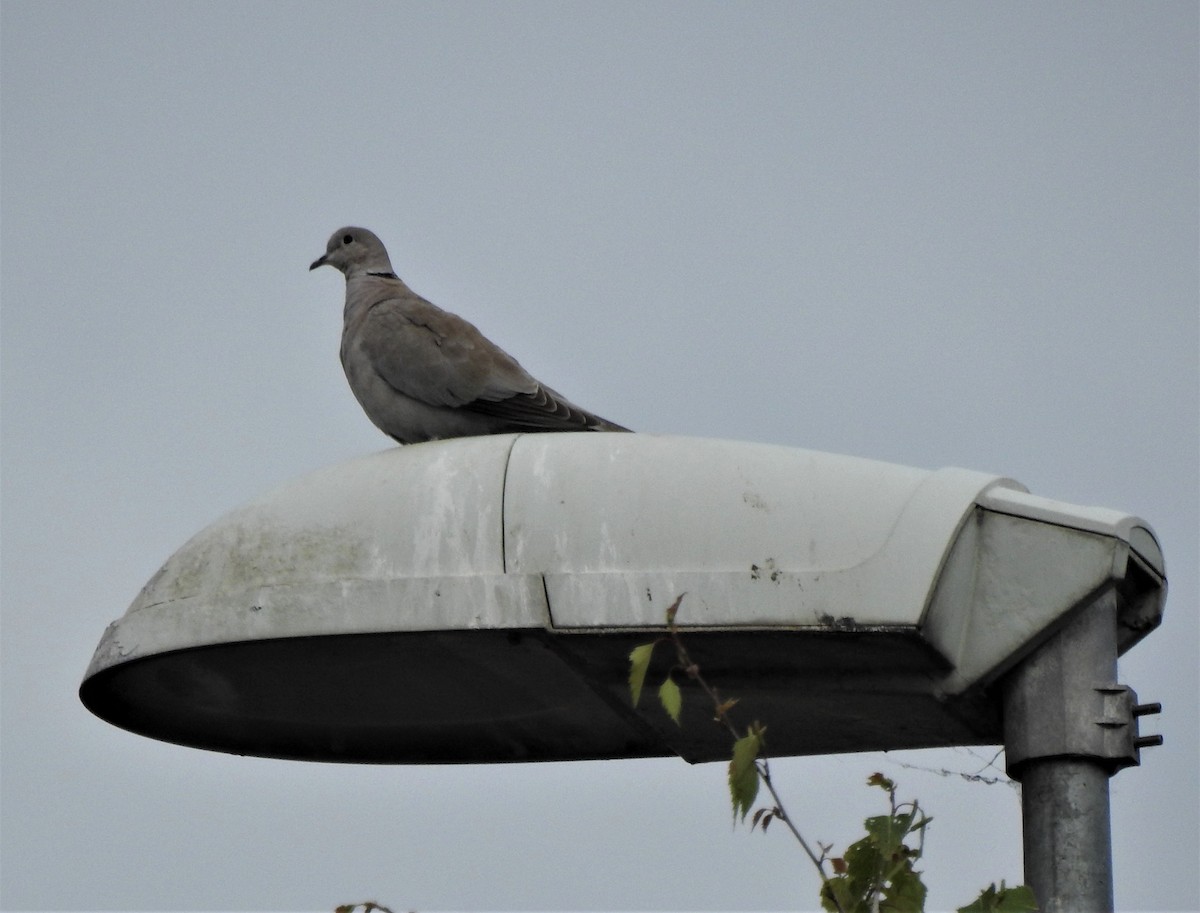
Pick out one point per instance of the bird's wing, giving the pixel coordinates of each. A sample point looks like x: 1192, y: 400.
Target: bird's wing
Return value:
x: 441, y: 359
x: 543, y: 410
x: 437, y: 357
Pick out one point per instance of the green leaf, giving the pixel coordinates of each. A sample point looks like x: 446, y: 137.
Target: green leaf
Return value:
x: 904, y: 892
x: 639, y: 662
x: 863, y: 868
x: 837, y: 895
x: 743, y: 774
x: 1003, y: 900
x: 1016, y: 900
x: 672, y: 700
x: 888, y: 832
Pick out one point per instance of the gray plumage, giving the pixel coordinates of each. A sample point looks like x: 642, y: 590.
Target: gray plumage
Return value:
x: 421, y: 373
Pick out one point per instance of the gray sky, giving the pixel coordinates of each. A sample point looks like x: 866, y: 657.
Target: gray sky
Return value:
x: 932, y: 234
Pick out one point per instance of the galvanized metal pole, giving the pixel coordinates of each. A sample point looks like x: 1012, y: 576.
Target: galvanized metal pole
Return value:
x: 1067, y: 727
x: 1068, y: 849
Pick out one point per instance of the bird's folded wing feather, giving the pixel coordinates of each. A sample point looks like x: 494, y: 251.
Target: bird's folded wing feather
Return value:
x: 437, y: 357
x: 544, y: 410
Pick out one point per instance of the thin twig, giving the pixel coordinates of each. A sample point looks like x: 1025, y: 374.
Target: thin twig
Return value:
x: 764, y: 774
x: 761, y: 766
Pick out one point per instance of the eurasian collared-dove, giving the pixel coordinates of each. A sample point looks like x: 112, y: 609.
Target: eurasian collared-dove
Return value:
x: 421, y: 373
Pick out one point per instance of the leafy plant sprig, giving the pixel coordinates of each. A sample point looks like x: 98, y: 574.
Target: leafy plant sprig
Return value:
x: 876, y: 874
x: 748, y: 766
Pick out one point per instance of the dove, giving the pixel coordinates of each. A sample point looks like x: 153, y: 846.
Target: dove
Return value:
x: 421, y: 373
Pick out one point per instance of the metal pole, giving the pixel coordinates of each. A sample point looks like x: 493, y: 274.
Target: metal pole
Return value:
x: 1062, y: 709
x: 1068, y: 849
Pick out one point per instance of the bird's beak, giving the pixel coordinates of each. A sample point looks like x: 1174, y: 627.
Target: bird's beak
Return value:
x: 320, y: 261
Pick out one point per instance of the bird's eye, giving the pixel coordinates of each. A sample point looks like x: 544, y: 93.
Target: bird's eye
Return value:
x: 346, y: 239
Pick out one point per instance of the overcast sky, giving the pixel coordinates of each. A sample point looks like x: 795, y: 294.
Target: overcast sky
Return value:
x: 931, y: 234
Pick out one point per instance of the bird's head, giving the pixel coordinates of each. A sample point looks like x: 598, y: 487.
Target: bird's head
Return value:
x: 353, y: 249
